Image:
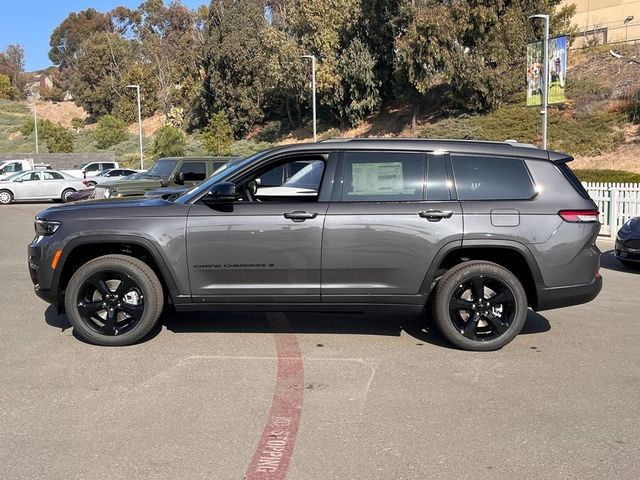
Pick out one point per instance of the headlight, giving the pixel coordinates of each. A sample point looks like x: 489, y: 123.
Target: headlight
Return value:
x: 46, y: 227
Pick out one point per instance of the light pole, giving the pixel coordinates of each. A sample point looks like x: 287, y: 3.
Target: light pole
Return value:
x: 35, y: 126
x: 545, y: 76
x: 137, y: 87
x: 313, y: 91
x: 626, y: 27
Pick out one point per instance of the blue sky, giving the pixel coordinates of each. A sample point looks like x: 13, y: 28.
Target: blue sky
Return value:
x: 30, y: 23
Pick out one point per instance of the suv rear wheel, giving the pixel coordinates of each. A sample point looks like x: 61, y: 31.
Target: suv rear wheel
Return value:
x: 114, y: 300
x: 479, y: 306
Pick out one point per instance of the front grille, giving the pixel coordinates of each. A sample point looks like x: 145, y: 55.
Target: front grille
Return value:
x: 633, y: 243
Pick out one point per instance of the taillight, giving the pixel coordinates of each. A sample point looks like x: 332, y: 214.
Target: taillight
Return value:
x: 579, y: 216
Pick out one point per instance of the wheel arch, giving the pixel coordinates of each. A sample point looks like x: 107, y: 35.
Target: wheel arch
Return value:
x: 81, y: 250
x: 511, y: 255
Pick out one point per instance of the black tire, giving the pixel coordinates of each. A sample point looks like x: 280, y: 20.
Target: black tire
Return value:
x: 132, y: 318
x: 65, y: 193
x: 476, y: 322
x: 6, y: 197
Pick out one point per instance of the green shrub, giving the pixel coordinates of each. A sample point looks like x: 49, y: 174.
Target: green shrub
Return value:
x: 217, y: 137
x: 613, y: 176
x: 169, y: 142
x: 590, y: 136
x: 270, y: 131
x: 59, y: 140
x: 110, y: 131
x: 244, y: 148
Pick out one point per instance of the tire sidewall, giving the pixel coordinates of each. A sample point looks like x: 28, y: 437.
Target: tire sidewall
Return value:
x: 8, y: 195
x: 458, y: 275
x: 65, y: 194
x: 145, y: 324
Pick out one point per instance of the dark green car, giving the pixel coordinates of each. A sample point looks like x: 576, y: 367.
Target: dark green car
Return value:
x: 167, y: 172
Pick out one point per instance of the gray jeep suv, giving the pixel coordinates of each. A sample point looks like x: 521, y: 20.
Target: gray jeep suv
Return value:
x: 478, y: 231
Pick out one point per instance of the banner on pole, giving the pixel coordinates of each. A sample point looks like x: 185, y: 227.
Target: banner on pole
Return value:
x: 557, y: 68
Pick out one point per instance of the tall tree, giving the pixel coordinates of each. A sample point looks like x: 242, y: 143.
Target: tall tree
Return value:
x: 12, y: 65
x: 234, y: 62
x: 97, y: 80
x: 73, y: 31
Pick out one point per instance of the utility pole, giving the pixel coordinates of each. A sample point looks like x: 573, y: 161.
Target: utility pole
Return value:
x: 35, y: 127
x: 546, y: 79
x: 313, y: 92
x: 137, y: 87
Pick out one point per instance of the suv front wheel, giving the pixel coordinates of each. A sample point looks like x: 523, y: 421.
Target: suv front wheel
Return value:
x: 479, y: 306
x: 114, y: 300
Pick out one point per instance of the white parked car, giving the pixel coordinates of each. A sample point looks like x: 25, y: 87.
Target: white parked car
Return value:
x: 90, y: 169
x: 38, y: 185
x: 108, y: 175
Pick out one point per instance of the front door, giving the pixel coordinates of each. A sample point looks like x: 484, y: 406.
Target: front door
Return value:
x: 384, y: 230
x: 263, y: 248
x: 28, y: 186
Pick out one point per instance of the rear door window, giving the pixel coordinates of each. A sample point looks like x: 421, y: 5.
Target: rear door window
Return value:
x: 491, y: 178
x: 383, y: 177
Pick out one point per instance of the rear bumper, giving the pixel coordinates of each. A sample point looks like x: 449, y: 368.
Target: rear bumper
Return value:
x: 558, y: 297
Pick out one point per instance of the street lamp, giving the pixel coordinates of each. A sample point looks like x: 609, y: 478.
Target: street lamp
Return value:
x: 35, y: 126
x: 545, y: 76
x: 626, y: 27
x: 313, y: 91
x: 137, y: 87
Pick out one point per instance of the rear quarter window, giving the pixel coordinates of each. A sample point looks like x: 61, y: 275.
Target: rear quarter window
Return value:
x: 491, y: 178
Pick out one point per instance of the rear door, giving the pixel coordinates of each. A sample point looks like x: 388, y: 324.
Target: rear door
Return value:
x: 384, y: 227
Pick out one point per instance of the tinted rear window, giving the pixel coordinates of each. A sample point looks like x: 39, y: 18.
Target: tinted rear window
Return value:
x: 573, y: 180
x: 491, y: 178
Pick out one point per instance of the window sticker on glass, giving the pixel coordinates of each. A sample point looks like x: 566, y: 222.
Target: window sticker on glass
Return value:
x: 378, y: 179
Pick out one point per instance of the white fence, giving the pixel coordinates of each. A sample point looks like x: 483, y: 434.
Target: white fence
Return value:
x: 617, y: 203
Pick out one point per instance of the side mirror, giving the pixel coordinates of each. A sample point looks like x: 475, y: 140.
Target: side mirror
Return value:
x: 223, y: 192
x: 19, y: 180
x: 178, y: 179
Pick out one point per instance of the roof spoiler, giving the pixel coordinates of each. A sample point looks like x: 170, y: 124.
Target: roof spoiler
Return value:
x: 559, y: 158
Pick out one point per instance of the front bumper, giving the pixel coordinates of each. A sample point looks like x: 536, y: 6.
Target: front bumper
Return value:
x: 624, y: 251
x: 558, y: 297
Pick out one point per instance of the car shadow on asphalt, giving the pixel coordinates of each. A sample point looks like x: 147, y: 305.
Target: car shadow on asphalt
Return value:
x: 420, y: 326
x: 610, y: 262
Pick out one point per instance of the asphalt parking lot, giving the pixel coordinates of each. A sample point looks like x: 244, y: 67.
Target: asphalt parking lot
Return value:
x: 312, y: 396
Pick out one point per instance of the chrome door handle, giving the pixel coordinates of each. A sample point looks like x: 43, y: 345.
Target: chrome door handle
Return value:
x: 435, y: 215
x: 299, y: 216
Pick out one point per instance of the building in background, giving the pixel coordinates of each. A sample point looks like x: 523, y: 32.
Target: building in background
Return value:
x: 606, y: 21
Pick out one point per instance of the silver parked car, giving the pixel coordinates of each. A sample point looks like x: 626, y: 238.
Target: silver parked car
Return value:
x: 108, y: 175
x: 38, y: 185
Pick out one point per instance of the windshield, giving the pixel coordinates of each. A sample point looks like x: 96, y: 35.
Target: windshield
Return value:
x: 12, y: 177
x: 162, y: 169
x: 219, y: 175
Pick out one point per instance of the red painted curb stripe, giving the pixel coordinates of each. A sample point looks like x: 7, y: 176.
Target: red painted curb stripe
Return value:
x: 275, y: 448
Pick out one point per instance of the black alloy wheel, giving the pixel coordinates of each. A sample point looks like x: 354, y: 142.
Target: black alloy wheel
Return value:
x: 479, y: 305
x: 110, y: 302
x: 482, y: 308
x: 114, y: 300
